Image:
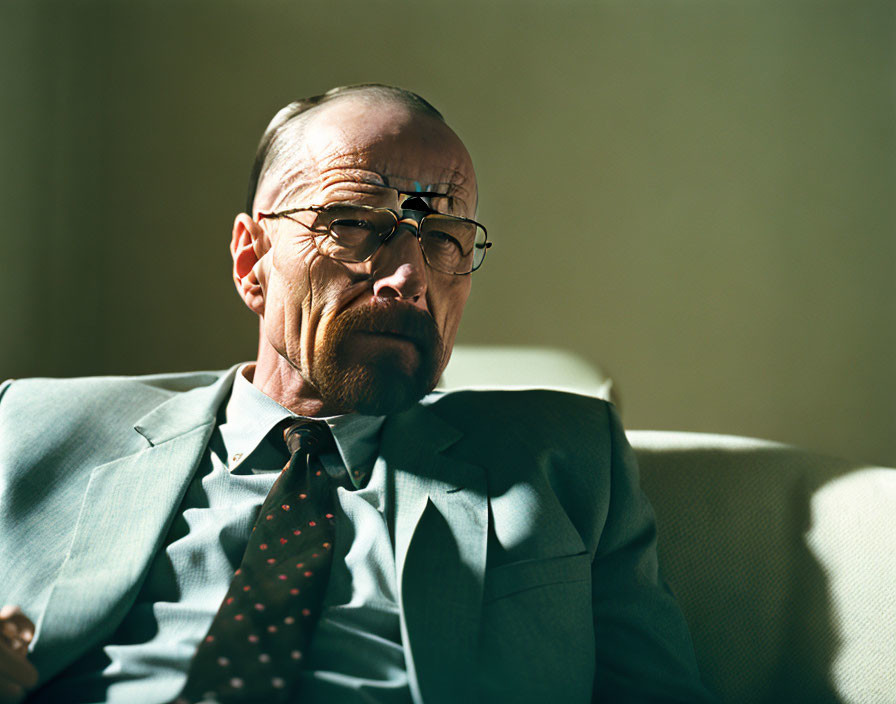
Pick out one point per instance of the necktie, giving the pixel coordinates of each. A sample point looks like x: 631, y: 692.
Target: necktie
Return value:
x: 254, y: 648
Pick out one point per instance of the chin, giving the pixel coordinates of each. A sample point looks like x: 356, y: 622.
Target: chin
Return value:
x: 361, y: 366
x: 379, y: 385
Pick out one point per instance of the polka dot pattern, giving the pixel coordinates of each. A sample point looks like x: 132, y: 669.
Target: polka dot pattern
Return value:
x: 265, y: 623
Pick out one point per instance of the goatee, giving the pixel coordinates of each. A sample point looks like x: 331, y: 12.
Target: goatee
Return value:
x: 383, y: 381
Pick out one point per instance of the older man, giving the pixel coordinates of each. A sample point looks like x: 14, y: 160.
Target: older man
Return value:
x: 183, y: 537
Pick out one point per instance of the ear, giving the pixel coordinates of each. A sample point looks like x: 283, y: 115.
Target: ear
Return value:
x: 248, y: 245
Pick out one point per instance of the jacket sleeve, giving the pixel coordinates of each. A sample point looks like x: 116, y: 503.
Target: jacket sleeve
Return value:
x: 643, y: 649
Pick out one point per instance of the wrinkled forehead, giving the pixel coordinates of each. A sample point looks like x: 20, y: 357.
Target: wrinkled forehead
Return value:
x: 445, y: 193
x: 347, y: 158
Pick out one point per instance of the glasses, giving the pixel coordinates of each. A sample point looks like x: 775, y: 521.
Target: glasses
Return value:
x: 352, y: 233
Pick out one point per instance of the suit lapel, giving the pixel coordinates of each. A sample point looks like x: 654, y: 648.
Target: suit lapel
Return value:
x: 441, y: 530
x: 124, y: 518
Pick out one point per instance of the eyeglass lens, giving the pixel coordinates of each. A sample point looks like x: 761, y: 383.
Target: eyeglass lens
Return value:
x: 450, y: 244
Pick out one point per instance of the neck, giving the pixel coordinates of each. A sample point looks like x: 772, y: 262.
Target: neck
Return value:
x: 279, y: 380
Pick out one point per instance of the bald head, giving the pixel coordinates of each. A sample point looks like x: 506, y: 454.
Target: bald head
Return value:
x: 280, y: 146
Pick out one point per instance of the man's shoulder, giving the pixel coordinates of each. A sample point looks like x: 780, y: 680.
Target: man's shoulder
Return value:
x: 527, y: 399
x: 96, y: 394
x: 531, y: 436
x: 546, y: 411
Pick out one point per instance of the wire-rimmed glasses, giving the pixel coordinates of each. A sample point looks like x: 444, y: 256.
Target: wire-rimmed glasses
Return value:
x: 352, y: 233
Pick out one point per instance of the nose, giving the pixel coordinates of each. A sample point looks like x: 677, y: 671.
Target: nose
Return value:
x: 399, y: 270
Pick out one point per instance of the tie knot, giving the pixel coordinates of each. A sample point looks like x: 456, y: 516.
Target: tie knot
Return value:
x: 311, y: 437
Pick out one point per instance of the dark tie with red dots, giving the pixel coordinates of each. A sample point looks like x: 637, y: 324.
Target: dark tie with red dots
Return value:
x: 254, y: 648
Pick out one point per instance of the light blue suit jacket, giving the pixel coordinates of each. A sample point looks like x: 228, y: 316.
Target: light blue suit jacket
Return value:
x: 525, y: 552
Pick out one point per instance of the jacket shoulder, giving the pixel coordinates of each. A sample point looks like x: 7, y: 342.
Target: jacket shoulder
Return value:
x: 97, y: 392
x: 544, y: 412
x: 560, y: 445
x: 58, y: 414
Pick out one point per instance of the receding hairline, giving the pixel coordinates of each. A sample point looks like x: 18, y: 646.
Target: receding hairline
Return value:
x: 292, y: 118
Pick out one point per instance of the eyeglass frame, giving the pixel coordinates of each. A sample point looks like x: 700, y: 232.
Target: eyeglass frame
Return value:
x: 383, y: 238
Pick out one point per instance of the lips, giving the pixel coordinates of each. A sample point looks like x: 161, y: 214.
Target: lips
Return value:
x: 397, y: 321
x: 392, y: 332
x: 393, y: 337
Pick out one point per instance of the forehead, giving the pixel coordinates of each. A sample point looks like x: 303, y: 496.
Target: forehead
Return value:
x: 367, y: 151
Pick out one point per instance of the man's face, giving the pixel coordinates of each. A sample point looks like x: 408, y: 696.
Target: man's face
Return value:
x: 372, y: 336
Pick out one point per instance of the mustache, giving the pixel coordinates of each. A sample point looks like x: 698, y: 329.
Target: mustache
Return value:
x: 394, y: 318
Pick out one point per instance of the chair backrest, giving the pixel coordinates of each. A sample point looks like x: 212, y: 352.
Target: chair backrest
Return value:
x: 784, y: 563
x: 509, y: 367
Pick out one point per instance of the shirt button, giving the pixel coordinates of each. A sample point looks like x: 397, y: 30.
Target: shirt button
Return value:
x: 236, y: 457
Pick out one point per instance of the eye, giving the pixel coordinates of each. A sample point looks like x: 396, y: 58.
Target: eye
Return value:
x: 350, y: 232
x: 442, y: 240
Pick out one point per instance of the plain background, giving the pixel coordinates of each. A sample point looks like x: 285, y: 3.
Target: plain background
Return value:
x: 697, y: 196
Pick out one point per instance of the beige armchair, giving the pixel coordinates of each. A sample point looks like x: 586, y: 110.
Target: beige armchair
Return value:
x: 784, y: 563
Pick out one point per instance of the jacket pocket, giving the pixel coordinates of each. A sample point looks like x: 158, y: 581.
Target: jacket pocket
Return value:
x: 516, y: 577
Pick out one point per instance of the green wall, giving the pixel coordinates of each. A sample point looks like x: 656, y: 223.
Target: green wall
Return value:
x: 697, y: 196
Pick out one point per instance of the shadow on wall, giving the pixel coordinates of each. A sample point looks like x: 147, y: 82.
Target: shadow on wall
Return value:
x: 782, y: 561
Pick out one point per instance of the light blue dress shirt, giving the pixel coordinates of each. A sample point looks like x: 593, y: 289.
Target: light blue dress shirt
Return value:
x: 356, y: 653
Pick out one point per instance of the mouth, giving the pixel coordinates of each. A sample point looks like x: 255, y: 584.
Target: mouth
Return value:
x: 390, y: 336
x: 389, y: 329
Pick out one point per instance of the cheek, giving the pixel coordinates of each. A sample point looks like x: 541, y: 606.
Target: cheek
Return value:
x: 306, y: 281
x: 290, y: 267
x: 316, y: 289
x: 447, y: 300
x: 326, y: 283
x: 288, y: 295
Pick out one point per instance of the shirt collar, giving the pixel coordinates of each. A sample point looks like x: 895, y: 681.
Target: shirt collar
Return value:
x: 250, y: 415
x: 358, y: 441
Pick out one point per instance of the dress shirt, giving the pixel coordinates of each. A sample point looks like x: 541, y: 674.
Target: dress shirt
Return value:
x: 356, y: 653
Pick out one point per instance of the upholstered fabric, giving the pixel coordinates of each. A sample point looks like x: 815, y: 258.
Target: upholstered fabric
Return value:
x: 783, y: 562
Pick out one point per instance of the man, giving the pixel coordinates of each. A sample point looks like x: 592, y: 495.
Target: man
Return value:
x: 490, y: 546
